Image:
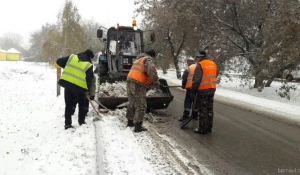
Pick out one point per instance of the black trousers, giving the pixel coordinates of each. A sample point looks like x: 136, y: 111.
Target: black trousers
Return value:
x: 86, y: 106
x: 188, y: 100
x: 70, y: 98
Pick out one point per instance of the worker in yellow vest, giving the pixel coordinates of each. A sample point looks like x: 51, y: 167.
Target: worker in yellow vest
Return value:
x: 77, y: 80
x: 141, y: 77
x: 204, y: 86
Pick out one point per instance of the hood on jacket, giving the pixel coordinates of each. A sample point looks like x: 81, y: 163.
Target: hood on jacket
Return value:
x: 84, y: 57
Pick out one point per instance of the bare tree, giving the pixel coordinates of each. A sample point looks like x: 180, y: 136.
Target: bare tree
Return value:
x: 38, y: 40
x: 68, y: 37
x: 11, y: 40
x: 90, y: 30
x: 265, y: 33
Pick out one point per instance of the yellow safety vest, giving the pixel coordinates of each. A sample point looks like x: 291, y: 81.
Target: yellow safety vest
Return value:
x: 74, y: 71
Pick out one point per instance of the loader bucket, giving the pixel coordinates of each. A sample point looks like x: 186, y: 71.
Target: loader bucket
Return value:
x: 161, y: 102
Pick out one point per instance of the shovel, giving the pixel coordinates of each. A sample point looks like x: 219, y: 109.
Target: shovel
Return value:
x: 122, y: 105
x: 100, y: 118
x: 107, y: 110
x: 171, y: 86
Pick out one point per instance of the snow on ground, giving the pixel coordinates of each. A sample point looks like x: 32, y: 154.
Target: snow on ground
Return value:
x: 33, y: 140
x: 127, y: 152
x: 32, y: 135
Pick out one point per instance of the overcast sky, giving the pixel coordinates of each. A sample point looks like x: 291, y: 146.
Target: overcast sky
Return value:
x: 27, y: 16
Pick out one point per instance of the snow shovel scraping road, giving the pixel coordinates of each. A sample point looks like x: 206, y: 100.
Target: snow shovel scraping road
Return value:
x: 186, y: 121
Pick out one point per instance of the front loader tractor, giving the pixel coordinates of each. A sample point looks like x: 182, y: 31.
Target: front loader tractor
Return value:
x: 122, y: 45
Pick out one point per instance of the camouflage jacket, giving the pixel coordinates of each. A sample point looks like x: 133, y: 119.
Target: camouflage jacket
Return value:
x: 150, y: 70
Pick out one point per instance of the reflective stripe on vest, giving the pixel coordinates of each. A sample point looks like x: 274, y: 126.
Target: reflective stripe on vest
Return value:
x: 209, y: 78
x: 138, y: 72
x: 74, y: 71
x: 189, y: 81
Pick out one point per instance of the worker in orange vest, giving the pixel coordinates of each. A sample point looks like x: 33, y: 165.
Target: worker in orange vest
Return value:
x: 186, y: 84
x: 141, y: 77
x: 204, y: 86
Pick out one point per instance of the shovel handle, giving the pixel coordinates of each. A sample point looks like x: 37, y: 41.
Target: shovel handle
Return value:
x: 172, y: 86
x: 93, y: 106
x: 101, y: 105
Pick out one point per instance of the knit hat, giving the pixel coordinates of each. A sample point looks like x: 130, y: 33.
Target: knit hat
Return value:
x: 89, y: 53
x: 190, y: 59
x: 151, y: 52
x: 202, y: 54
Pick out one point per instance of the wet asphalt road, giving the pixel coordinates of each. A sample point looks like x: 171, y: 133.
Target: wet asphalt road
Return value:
x: 242, y: 142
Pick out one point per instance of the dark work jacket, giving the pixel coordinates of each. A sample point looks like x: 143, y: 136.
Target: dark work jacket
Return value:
x: 89, y: 73
x: 184, y: 78
x: 198, y: 74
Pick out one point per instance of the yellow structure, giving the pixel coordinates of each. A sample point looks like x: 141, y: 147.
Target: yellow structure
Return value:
x: 2, y: 54
x: 13, y: 55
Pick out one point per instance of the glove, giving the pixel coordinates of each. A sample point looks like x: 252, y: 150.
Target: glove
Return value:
x: 92, y: 97
x: 56, y: 65
x: 157, y: 85
x: 86, y: 94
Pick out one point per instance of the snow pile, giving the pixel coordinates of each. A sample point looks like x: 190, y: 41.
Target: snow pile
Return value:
x: 155, y: 93
x: 118, y: 89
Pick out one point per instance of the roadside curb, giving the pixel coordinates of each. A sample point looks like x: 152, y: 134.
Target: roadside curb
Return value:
x: 267, y: 112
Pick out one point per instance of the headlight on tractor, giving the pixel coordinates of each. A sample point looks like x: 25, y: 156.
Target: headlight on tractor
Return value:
x: 125, y: 60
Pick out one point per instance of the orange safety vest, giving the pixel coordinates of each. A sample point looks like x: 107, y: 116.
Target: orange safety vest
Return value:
x: 138, y: 72
x: 209, y: 77
x: 189, y: 81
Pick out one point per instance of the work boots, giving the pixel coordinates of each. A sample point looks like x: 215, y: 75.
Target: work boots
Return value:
x: 68, y: 126
x: 184, y: 117
x: 82, y: 123
x: 139, y: 127
x: 201, y: 131
x: 130, y: 123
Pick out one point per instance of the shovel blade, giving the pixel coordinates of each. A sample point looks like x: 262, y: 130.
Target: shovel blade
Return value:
x: 123, y: 105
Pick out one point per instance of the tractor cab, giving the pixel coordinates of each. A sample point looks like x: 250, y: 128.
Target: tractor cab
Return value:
x: 122, y: 45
